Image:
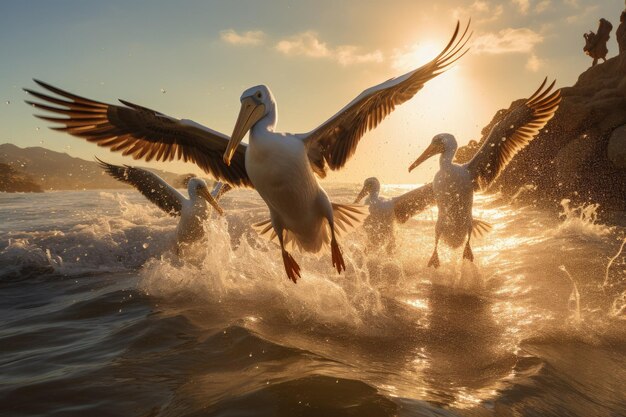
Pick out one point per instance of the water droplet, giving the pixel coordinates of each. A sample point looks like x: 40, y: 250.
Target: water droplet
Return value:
x: 7, y: 102
x: 145, y: 245
x: 37, y: 129
x: 163, y: 91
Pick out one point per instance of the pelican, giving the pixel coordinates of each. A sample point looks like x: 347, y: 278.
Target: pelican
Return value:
x: 281, y: 167
x: 193, y: 211
x: 454, y: 184
x: 385, y: 212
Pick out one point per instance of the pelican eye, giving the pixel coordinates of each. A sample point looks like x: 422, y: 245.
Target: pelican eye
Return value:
x: 258, y: 95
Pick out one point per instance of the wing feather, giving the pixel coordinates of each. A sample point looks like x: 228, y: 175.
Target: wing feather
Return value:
x: 409, y: 204
x: 516, y: 130
x: 153, y: 187
x: 336, y: 140
x: 141, y: 132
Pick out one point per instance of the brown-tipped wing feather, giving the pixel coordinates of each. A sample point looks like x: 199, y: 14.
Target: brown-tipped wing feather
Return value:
x: 511, y: 134
x: 142, y: 133
x: 336, y: 140
x: 409, y: 204
x: 153, y: 187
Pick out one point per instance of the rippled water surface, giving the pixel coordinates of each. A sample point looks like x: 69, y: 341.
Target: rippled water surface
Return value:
x: 98, y: 317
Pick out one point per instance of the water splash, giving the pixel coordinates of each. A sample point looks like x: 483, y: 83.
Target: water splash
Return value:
x: 573, y: 302
x: 610, y: 263
x: 582, y: 221
x: 249, y: 280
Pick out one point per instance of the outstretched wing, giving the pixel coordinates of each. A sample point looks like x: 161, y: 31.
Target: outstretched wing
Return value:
x: 409, y: 204
x: 142, y: 133
x: 511, y: 134
x: 219, y: 189
x: 336, y: 140
x: 153, y: 187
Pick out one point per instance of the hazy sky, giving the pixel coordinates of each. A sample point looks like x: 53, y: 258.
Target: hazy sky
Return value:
x: 192, y: 59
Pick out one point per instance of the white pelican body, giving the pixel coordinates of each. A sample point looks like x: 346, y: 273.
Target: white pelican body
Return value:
x: 454, y: 184
x: 385, y: 212
x: 454, y: 193
x: 280, y: 166
x: 193, y: 211
x: 298, y: 205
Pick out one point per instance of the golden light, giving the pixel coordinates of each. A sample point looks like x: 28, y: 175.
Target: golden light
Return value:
x: 416, y: 55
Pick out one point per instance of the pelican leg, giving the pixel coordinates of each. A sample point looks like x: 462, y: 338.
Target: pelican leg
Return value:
x: 291, y: 266
x: 467, y: 252
x: 434, y: 259
x: 338, y: 262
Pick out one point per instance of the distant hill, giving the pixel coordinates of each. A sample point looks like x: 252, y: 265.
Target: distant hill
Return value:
x: 58, y: 171
x: 13, y: 181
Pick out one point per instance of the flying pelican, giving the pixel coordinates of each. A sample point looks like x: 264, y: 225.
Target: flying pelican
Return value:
x: 454, y: 184
x: 385, y: 212
x: 193, y: 211
x: 280, y: 166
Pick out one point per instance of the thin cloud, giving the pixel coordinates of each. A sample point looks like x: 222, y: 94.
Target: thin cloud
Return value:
x: 521, y: 40
x: 583, y: 15
x: 251, y: 37
x: 481, y: 10
x: 542, y: 6
x: 522, y: 5
x: 534, y: 64
x: 308, y: 44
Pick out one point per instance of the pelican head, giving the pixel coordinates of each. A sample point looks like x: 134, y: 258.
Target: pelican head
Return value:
x: 371, y: 186
x: 441, y: 143
x: 198, y: 187
x: 256, y: 103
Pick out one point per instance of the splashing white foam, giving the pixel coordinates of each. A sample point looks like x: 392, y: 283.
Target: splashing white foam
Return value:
x: 581, y: 221
x: 98, y: 243
x: 250, y: 279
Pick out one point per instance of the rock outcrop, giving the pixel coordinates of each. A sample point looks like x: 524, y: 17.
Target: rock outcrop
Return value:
x: 581, y: 153
x: 13, y: 181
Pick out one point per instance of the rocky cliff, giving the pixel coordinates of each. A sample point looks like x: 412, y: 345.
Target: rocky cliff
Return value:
x: 581, y: 153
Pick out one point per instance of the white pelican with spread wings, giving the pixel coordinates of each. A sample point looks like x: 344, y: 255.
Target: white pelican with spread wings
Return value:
x: 454, y: 184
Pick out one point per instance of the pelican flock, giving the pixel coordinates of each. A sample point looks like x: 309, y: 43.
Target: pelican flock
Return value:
x: 385, y: 212
x: 282, y: 167
x: 454, y: 184
x: 193, y: 211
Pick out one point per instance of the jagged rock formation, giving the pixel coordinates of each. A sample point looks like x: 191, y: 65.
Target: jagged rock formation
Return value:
x: 581, y: 153
x: 13, y: 181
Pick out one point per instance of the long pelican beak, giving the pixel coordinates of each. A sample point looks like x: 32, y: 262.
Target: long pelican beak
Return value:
x: 362, y: 194
x: 204, y: 192
x: 432, y: 150
x: 250, y: 113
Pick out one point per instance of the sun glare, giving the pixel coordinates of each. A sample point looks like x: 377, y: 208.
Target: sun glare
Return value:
x: 416, y: 55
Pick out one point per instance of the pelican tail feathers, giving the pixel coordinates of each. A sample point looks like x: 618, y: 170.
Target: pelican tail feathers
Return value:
x: 346, y: 217
x: 480, y: 228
